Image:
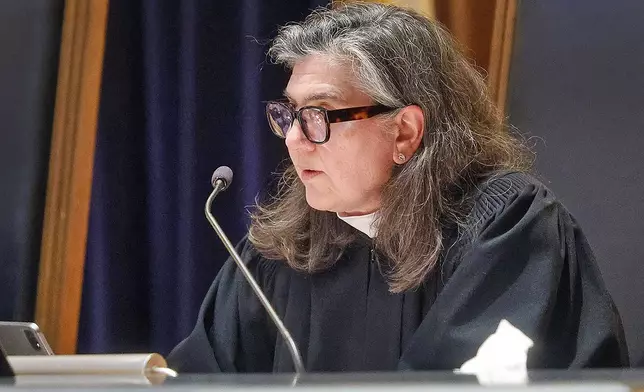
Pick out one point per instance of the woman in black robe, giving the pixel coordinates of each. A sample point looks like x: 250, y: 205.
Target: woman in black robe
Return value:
x: 405, y: 227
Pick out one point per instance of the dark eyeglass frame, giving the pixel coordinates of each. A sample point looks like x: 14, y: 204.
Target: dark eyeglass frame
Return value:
x: 331, y: 116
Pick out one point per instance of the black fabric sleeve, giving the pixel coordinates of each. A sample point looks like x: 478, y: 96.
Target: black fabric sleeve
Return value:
x: 218, y: 343
x: 529, y: 263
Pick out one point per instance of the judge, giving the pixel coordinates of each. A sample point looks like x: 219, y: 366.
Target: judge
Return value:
x: 405, y: 227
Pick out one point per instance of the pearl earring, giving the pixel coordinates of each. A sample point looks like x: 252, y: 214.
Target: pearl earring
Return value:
x: 401, y: 157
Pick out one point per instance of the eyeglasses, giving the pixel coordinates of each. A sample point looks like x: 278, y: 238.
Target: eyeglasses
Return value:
x: 315, y: 120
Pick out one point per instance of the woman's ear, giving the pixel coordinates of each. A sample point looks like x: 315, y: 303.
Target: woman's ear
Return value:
x: 410, y: 122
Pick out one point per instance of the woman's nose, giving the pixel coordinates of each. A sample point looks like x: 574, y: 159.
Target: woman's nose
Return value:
x: 295, y: 138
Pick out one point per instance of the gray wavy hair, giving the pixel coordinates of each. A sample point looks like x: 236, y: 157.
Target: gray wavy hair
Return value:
x: 398, y: 57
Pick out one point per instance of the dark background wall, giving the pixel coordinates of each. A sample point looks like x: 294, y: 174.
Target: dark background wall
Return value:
x: 577, y: 86
x: 29, y: 43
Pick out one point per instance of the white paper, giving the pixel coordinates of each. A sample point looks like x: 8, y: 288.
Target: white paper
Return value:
x: 502, y: 358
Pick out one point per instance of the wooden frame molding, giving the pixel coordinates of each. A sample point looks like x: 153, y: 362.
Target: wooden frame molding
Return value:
x: 501, y: 50
x: 426, y: 7
x: 62, y: 259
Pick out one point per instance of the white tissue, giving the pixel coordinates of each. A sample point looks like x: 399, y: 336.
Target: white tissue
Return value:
x: 502, y: 358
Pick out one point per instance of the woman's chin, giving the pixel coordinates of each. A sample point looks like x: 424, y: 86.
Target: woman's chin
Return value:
x: 318, y: 206
x: 319, y: 202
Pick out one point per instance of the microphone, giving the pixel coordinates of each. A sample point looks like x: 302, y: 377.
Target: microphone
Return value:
x: 221, y: 179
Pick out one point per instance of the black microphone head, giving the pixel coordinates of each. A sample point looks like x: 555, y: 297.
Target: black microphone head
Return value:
x: 223, y: 173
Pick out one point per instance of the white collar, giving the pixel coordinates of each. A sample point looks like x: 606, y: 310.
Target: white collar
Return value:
x: 364, y: 223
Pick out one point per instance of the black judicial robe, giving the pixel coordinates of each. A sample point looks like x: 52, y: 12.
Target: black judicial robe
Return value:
x: 526, y: 261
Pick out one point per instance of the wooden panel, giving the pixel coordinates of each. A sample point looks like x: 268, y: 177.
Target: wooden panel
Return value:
x: 501, y: 50
x: 486, y: 28
x: 70, y: 172
x: 426, y: 7
x: 472, y: 23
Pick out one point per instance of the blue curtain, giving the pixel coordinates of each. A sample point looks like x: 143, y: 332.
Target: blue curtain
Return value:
x: 183, y: 86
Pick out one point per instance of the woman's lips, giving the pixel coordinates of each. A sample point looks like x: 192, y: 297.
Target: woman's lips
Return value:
x: 309, y: 174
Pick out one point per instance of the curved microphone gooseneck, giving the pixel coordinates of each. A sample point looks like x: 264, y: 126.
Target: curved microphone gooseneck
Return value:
x: 221, y: 179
